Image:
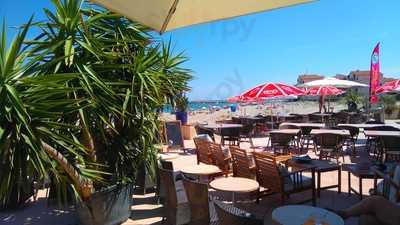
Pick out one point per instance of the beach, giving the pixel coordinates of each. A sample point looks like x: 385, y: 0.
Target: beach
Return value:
x: 278, y: 108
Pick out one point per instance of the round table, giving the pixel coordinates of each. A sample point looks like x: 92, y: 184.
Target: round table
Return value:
x: 168, y: 156
x: 235, y: 185
x: 299, y: 214
x: 201, y: 170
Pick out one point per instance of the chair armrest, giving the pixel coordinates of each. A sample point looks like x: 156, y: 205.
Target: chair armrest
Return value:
x: 283, y: 158
x: 300, y: 171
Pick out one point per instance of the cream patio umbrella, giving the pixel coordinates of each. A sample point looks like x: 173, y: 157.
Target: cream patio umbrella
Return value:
x: 165, y: 15
x: 333, y: 82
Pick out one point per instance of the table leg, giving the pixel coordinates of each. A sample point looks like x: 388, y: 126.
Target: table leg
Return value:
x: 319, y: 184
x: 349, y: 182
x: 313, y: 189
x: 339, y: 180
x: 360, y: 183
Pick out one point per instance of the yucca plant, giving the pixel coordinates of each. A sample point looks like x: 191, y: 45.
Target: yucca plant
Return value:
x: 124, y: 75
x: 34, y: 142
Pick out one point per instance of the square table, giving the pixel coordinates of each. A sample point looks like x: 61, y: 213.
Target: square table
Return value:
x: 330, y: 131
x: 381, y: 133
x: 320, y: 166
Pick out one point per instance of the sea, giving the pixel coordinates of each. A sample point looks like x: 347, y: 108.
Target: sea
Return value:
x: 203, y: 105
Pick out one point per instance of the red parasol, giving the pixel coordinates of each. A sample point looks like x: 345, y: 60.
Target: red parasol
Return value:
x: 268, y: 91
x: 391, y: 86
x: 325, y: 91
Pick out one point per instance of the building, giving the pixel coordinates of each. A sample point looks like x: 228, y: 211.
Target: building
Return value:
x: 304, y: 78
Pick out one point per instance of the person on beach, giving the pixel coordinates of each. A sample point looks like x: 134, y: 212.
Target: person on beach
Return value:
x: 374, y: 210
x: 322, y: 104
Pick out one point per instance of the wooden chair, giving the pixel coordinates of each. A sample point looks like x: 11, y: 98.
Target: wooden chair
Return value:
x: 241, y: 164
x: 276, y: 179
x: 203, y: 151
x: 176, y: 207
x: 230, y: 215
x: 197, y: 194
x: 219, y: 158
x: 329, y: 146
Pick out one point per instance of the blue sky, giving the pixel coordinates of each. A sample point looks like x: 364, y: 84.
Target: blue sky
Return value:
x: 326, y: 37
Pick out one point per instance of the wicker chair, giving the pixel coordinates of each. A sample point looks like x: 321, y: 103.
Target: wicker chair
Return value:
x: 374, y: 144
x: 241, y: 164
x: 391, y: 149
x: 352, y: 139
x: 230, y: 215
x: 197, y: 194
x: 176, y: 207
x: 219, y: 158
x: 280, y: 143
x: 306, y: 138
x: 232, y: 136
x: 203, y: 151
x: 247, y: 132
x: 276, y: 179
x: 329, y: 146
x: 200, y: 130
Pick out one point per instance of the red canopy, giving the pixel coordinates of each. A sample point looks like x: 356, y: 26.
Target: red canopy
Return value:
x: 268, y: 91
x: 390, y: 86
x: 326, y: 91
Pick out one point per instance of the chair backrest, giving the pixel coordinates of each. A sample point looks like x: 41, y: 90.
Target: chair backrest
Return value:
x: 247, y: 129
x: 232, y: 132
x: 219, y: 157
x: 230, y: 215
x: 200, y: 130
x: 354, y: 131
x: 167, y: 181
x: 197, y: 194
x: 314, y: 118
x: 267, y: 171
x: 240, y: 163
x: 391, y: 147
x: 203, y: 151
x: 327, y: 140
x: 374, y: 122
x: 167, y: 165
x: 280, y: 139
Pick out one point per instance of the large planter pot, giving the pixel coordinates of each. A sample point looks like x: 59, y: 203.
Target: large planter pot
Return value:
x: 110, y: 206
x: 182, y: 116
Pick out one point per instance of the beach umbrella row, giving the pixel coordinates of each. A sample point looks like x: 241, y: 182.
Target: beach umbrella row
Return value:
x: 391, y: 86
x: 278, y: 90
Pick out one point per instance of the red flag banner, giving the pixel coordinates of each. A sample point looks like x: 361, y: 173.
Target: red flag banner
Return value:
x: 374, y: 76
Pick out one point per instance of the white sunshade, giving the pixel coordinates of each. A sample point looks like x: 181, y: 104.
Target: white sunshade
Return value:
x: 333, y: 82
x: 164, y: 15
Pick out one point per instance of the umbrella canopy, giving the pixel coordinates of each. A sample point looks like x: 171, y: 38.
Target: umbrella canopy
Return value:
x: 325, y: 91
x: 391, y: 86
x: 333, y: 82
x: 164, y: 15
x: 268, y: 91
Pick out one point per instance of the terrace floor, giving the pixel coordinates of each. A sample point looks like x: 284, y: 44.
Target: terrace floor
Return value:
x: 145, y: 209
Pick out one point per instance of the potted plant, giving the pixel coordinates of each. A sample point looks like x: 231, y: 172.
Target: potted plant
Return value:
x: 353, y: 100
x: 181, y: 108
x: 78, y: 104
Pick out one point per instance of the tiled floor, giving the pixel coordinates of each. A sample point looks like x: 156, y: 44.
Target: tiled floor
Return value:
x: 145, y: 210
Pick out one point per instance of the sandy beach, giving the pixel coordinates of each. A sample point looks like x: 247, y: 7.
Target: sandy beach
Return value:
x: 280, y: 108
